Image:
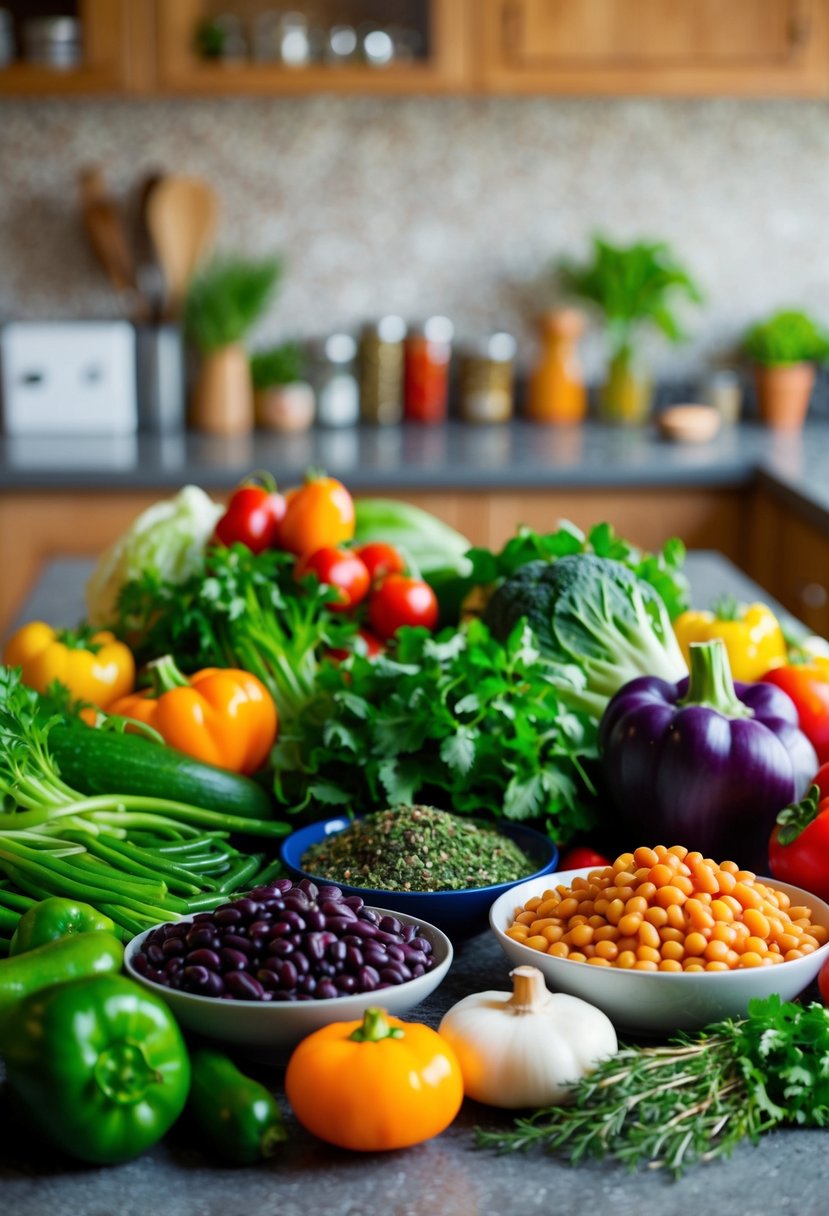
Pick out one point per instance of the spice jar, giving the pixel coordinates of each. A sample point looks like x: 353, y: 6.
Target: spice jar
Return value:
x: 557, y: 393
x: 381, y: 371
x: 426, y: 371
x: 334, y: 381
x: 486, y: 380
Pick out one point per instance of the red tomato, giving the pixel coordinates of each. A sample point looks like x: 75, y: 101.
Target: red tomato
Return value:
x: 580, y: 857
x: 373, y: 647
x: 822, y: 781
x: 319, y: 515
x: 808, y: 686
x: 253, y: 516
x: 381, y: 559
x: 823, y: 983
x: 339, y: 568
x: 400, y: 600
x: 803, y: 860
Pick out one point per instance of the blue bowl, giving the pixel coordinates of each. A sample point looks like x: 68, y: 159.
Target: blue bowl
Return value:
x: 458, y: 913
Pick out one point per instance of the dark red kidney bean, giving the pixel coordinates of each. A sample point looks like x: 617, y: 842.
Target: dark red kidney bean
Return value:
x: 173, y: 946
x: 391, y: 939
x: 345, y: 983
x: 141, y: 963
x: 201, y: 936
x: 364, y: 929
x: 248, y: 907
x: 280, y: 929
x: 337, y: 909
x: 308, y: 985
x: 173, y: 966
x: 288, y: 976
x: 412, y: 957
x: 172, y: 930
x: 308, y: 888
x: 375, y: 954
x: 336, y: 952
x: 314, y: 945
x: 285, y: 996
x: 314, y: 920
x: 301, y: 962
x: 408, y: 932
x: 353, y: 958
x: 232, y: 960
x: 155, y: 954
x: 340, y: 924
x: 280, y: 948
x: 243, y: 986
x: 268, y: 979
x: 392, y: 975
x: 201, y: 918
x: 326, y: 990
x: 396, y: 953
x: 303, y: 996
x: 384, y: 984
x: 390, y: 924
x: 330, y: 893
x: 215, y: 985
x: 259, y: 928
x: 367, y: 979
x: 325, y: 969
x: 196, y: 978
x: 271, y: 905
x: 367, y: 915
x: 235, y: 941
x: 417, y: 970
x: 421, y: 943
x: 292, y: 918
x: 203, y: 958
x: 296, y: 902
x: 354, y: 902
x: 227, y: 916
x: 351, y: 939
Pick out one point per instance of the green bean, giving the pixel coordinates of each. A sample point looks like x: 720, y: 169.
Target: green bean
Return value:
x: 25, y: 882
x: 40, y: 881
x: 107, y: 878
x: 17, y: 903
x: 274, y: 869
x: 5, y: 945
x: 128, y: 859
x: 132, y: 923
x: 240, y: 872
x: 8, y: 920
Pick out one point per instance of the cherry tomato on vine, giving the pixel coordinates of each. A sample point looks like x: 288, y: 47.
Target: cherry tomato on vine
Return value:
x: 381, y: 559
x: 253, y: 517
x: 400, y: 600
x: 319, y: 514
x: 339, y: 568
x: 581, y: 858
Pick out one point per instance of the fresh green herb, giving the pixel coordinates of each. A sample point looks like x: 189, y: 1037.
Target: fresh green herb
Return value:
x: 238, y: 609
x: 663, y: 570
x: 417, y: 848
x: 787, y: 337
x: 695, y: 1099
x: 226, y: 298
x: 457, y: 720
x: 283, y: 364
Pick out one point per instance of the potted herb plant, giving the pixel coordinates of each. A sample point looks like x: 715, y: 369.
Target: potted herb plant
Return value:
x: 785, y: 349
x: 282, y: 399
x: 223, y: 302
x: 633, y: 287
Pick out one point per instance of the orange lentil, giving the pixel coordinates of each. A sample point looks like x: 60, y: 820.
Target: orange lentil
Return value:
x: 672, y: 950
x: 661, y: 874
x: 656, y: 917
x: 670, y: 896
x: 645, y: 964
x: 671, y: 935
x: 629, y: 924
x: 559, y: 950
x: 695, y: 944
x: 670, y: 964
x: 577, y: 957
x: 626, y: 959
x: 649, y: 936
x: 676, y: 916
x: 537, y: 943
x: 648, y: 954
x: 606, y: 949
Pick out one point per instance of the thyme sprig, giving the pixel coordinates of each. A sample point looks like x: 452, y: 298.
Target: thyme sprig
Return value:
x: 694, y: 1100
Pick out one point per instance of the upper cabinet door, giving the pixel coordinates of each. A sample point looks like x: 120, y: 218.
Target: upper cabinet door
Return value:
x: 727, y: 47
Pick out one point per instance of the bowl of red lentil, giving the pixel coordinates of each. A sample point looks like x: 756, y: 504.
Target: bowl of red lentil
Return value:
x: 664, y: 939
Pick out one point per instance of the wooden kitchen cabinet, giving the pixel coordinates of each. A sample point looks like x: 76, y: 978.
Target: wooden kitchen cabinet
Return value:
x: 694, y: 47
x: 789, y: 554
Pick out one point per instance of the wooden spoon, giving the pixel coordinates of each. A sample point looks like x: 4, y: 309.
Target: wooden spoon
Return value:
x: 182, y: 214
x: 107, y: 234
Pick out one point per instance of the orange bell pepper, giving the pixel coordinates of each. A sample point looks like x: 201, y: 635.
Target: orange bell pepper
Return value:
x: 223, y: 716
x: 376, y: 1084
x: 94, y: 666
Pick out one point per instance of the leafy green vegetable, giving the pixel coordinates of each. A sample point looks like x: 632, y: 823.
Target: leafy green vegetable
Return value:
x: 663, y: 570
x: 594, y: 613
x: 237, y: 609
x: 695, y: 1099
x: 168, y: 538
x: 458, y: 721
x: 226, y: 298
x: 787, y: 337
x: 283, y: 364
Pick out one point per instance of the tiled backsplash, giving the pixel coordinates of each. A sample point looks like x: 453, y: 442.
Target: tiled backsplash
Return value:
x: 426, y: 205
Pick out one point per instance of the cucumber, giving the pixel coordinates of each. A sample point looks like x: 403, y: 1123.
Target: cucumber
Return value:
x: 106, y: 762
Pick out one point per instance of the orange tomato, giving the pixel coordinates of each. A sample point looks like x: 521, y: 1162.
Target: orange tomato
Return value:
x: 319, y: 514
x: 376, y: 1084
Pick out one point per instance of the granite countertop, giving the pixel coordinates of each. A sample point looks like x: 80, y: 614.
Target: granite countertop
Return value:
x: 455, y: 456
x: 444, y: 1177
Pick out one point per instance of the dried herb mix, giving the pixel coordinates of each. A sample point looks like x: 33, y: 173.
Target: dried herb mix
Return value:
x: 417, y: 848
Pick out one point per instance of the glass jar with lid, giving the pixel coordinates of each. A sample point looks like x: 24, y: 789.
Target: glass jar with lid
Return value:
x: 428, y: 351
x: 487, y: 376
x: 334, y: 380
x: 381, y: 371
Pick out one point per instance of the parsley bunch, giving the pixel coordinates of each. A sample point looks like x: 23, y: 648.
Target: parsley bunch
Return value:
x: 459, y: 721
x: 695, y: 1099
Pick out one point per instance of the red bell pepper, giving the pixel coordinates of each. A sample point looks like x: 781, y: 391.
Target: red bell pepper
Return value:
x: 799, y: 846
x: 808, y: 686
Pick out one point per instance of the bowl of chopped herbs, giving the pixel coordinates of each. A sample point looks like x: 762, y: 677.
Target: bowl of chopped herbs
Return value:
x: 422, y: 861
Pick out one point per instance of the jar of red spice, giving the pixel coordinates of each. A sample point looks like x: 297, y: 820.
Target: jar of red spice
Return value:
x: 428, y: 352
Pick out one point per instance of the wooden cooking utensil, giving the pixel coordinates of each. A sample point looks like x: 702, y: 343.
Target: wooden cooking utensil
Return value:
x: 182, y: 214
x: 107, y: 235
x: 148, y: 273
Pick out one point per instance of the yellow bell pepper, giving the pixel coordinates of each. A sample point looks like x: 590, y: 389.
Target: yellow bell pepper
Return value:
x: 751, y: 633
x: 94, y: 667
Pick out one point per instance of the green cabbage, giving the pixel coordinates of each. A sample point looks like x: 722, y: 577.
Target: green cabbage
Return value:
x: 168, y: 539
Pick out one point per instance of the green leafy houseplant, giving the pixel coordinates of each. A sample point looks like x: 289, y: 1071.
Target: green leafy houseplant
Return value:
x: 784, y: 349
x: 633, y: 286
x: 226, y: 299
x: 278, y: 365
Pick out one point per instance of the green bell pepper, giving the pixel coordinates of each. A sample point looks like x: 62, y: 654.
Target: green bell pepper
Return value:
x: 55, y: 917
x: 68, y: 958
x: 99, y: 1064
x: 238, y: 1117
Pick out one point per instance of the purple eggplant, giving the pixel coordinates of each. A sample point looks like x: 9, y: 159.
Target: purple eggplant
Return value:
x: 707, y: 763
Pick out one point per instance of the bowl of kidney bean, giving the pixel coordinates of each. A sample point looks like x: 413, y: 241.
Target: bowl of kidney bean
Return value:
x: 265, y: 970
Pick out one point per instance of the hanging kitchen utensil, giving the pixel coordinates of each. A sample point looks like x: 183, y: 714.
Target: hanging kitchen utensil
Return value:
x: 107, y: 235
x: 148, y: 272
x: 182, y: 213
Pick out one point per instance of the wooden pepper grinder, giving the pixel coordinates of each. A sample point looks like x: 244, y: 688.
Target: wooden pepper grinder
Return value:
x: 557, y: 392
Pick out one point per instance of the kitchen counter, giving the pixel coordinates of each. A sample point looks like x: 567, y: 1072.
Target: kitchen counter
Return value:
x: 789, y: 1173
x: 451, y: 457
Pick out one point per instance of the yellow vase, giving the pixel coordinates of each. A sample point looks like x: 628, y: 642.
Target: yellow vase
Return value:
x: 626, y: 396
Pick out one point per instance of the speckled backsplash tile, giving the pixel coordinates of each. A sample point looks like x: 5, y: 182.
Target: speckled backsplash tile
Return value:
x: 425, y: 205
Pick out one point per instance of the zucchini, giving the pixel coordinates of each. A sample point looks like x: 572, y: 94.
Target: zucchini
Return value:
x: 108, y: 762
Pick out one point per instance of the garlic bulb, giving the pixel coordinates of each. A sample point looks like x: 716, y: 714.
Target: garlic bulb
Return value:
x: 526, y: 1047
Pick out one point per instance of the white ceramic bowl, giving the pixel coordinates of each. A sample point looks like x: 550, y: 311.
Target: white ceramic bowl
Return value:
x: 660, y: 1001
x: 259, y: 1026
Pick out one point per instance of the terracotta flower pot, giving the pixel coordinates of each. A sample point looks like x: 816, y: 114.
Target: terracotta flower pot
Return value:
x: 222, y: 402
x: 784, y: 394
x: 284, y: 407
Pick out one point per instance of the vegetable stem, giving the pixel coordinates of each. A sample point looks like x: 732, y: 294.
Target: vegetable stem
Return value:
x: 711, y: 684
